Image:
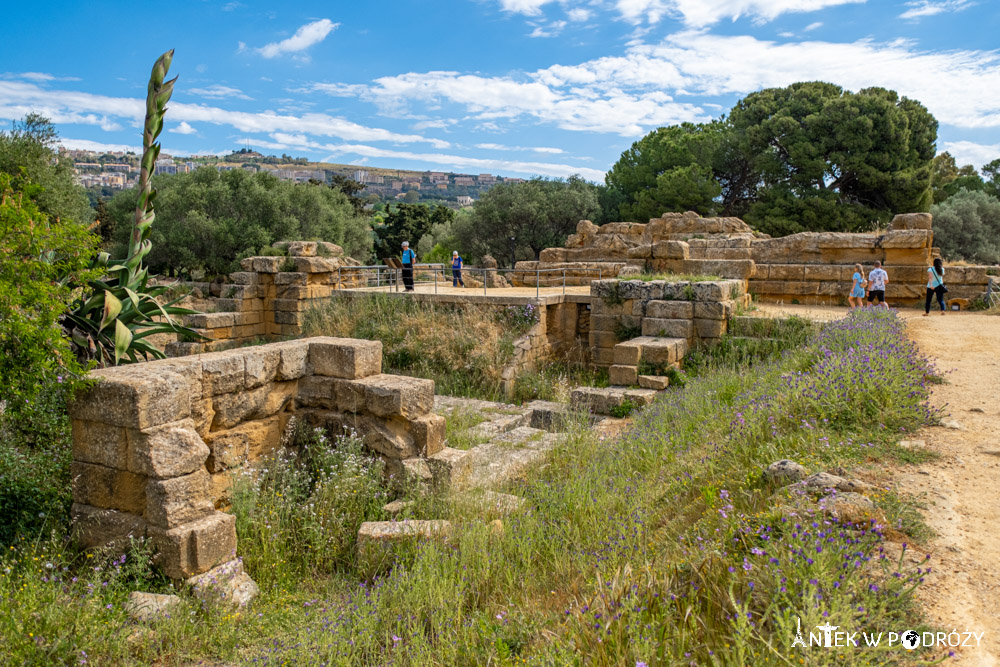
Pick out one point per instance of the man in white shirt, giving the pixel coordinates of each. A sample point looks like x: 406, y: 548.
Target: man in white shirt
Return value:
x: 877, y: 280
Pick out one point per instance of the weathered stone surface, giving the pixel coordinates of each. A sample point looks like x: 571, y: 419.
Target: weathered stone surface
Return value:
x: 397, y: 507
x: 149, y: 607
x: 449, y: 466
x: 628, y: 353
x: 953, y: 424
x: 671, y: 250
x: 667, y: 328
x: 223, y: 372
x: 710, y: 328
x: 261, y: 365
x: 785, y: 471
x: 603, y: 400
x: 96, y: 527
x: 549, y: 415
x: 226, y: 585
x: 103, y: 444
x: 851, y: 508
x: 122, y: 397
x: 390, y: 437
x: 233, y: 447
x: 293, y: 359
x: 381, y: 542
x: 202, y: 414
x: 170, y: 450
x: 657, y: 382
x: 489, y: 504
x: 823, y: 481
x: 172, y: 502
x: 428, y: 433
x: 623, y: 375
x: 670, y: 310
x: 317, y: 391
x: 661, y: 351
x: 108, y: 488
x: 391, y: 395
x: 713, y: 310
x: 195, y: 547
x: 231, y: 409
x: 912, y: 444
x: 912, y: 221
x: 415, y: 472
x: 344, y: 357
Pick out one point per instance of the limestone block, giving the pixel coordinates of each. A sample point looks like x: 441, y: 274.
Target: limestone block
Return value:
x: 221, y: 484
x: 906, y: 257
x: 786, y: 272
x: 903, y: 291
x: 108, y: 488
x: 172, y: 502
x: 195, y: 547
x: 428, y: 433
x: 911, y: 221
x: 623, y: 375
x: 552, y: 255
x: 223, y: 372
x: 975, y: 275
x: 822, y: 272
x: 314, y: 264
x: 390, y: 437
x: 710, y: 328
x: 656, y: 382
x: 799, y: 288
x: 671, y: 250
x: 603, y: 339
x: 603, y: 400
x: 381, y: 542
x: 231, y: 409
x: 226, y: 585
x: 345, y: 357
x: 261, y: 364
x: 709, y: 310
x: 165, y: 451
x: 292, y: 359
x: 202, y: 414
x: 642, y: 251
x: 264, y: 264
x: 209, y: 320
x: 668, y: 328
x: 233, y: 447
x: 283, y: 317
x: 833, y: 289
x: 713, y: 291
x: 291, y: 278
x: 123, y: 397
x: 671, y: 310
x: 908, y: 239
x: 148, y: 607
x: 103, y: 444
x: 628, y: 353
x: 680, y: 290
x: 280, y: 396
x: 603, y: 356
x: 411, y: 472
x: 96, y: 527
x: 243, y: 278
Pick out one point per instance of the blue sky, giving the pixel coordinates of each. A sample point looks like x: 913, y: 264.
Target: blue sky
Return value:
x: 514, y: 87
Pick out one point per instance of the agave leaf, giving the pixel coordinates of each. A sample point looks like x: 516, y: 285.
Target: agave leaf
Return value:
x: 123, y: 337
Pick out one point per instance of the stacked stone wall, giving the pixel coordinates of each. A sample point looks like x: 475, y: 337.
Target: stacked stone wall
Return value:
x: 156, y: 445
x: 693, y: 312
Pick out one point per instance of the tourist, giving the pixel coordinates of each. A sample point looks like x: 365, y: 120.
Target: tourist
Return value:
x: 456, y: 269
x: 409, y: 258
x: 935, y: 286
x: 877, y: 280
x: 857, y: 297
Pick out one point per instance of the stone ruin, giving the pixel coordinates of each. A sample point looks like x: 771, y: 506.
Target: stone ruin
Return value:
x: 268, y: 297
x: 810, y: 267
x: 156, y: 445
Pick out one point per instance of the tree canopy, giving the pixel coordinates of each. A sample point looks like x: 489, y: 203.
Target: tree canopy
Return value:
x: 967, y: 226
x: 207, y: 220
x: 811, y: 156
x: 408, y: 222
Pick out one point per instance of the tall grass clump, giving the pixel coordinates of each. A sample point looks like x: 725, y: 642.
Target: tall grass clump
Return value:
x: 299, y: 514
x: 464, y: 348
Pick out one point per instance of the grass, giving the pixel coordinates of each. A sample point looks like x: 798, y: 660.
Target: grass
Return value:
x: 663, y: 547
x: 676, y: 277
x: 463, y: 348
x: 459, y: 431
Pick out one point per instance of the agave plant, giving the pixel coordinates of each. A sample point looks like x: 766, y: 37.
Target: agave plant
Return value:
x: 118, y: 312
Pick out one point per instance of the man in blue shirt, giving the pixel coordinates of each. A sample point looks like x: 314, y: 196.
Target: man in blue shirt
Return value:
x: 409, y: 258
x: 456, y: 269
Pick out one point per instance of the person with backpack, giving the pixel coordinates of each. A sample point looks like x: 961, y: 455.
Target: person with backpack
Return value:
x: 857, y: 295
x: 409, y: 258
x: 456, y: 269
x: 935, y: 286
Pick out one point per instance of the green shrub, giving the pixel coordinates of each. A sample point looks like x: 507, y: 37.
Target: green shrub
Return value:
x: 625, y: 331
x: 623, y: 409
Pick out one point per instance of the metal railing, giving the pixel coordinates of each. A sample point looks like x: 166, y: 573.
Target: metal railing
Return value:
x: 993, y: 293
x: 386, y: 278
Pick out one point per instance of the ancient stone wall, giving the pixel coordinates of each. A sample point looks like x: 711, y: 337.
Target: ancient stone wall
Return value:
x: 156, y: 445
x: 685, y: 312
x: 268, y: 298
x: 811, y: 267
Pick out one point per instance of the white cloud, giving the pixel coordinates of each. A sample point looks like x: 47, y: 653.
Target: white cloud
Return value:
x: 40, y: 77
x: 230, y: 6
x: 527, y: 7
x: 921, y: 8
x: 183, y: 128
x: 88, y: 145
x: 217, y: 91
x: 306, y: 36
x: 551, y: 30
x: 701, y: 13
x: 534, y: 149
x: 64, y: 106
x: 579, y: 14
x: 969, y: 152
x: 813, y: 26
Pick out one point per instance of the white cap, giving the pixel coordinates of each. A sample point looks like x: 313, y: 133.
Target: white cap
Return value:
x: 454, y: 253
x: 406, y: 244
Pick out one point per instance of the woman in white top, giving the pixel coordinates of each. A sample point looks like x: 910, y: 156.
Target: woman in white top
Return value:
x: 935, y: 286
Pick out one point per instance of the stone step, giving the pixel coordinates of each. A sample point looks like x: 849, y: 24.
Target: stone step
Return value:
x: 550, y: 416
x: 379, y: 542
x: 520, y: 436
x: 605, y: 400
x: 502, y: 424
x: 497, y: 463
x: 650, y: 349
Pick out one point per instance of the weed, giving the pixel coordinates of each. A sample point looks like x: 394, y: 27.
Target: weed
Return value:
x: 625, y: 331
x: 624, y: 409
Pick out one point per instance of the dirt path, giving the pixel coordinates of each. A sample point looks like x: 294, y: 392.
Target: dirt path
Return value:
x: 962, y: 488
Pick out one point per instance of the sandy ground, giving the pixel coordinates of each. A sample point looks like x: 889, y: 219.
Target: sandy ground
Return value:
x: 961, y: 489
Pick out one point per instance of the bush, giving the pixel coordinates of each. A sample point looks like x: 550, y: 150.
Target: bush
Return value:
x: 967, y: 226
x: 300, y: 514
